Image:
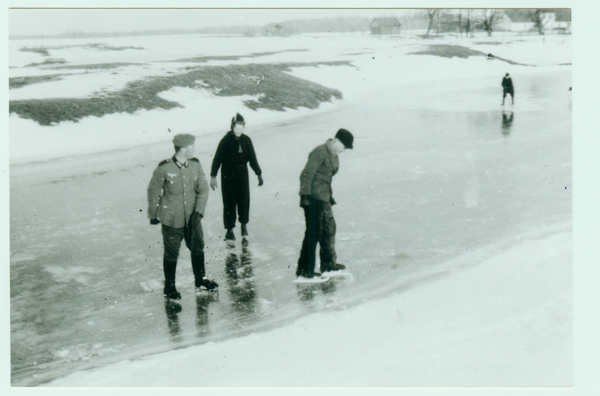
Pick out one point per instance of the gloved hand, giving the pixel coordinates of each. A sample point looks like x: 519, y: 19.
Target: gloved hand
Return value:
x: 154, y: 221
x: 304, y: 201
x: 213, y: 183
x: 332, y: 201
x: 260, y: 180
x: 196, y: 217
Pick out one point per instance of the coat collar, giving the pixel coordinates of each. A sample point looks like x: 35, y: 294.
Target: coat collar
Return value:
x: 233, y: 135
x: 329, y: 146
x: 179, y: 164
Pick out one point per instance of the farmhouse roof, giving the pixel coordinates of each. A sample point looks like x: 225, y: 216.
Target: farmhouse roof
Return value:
x: 522, y: 16
x: 518, y: 16
x: 386, y: 21
x: 563, y: 15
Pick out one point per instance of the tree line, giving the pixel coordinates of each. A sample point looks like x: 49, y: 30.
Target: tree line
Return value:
x: 467, y: 21
x: 435, y: 20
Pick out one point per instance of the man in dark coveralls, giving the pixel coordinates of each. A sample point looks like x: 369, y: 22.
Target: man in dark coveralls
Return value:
x: 316, y: 198
x: 235, y: 150
x: 177, y: 196
x: 507, y: 87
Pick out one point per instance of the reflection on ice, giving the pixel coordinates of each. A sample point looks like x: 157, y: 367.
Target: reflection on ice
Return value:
x: 203, y: 299
x: 308, y: 291
x: 507, y: 120
x: 172, y: 310
x: 240, y: 283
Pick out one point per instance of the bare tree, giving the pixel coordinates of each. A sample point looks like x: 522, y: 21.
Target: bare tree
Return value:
x: 490, y: 19
x: 539, y: 19
x: 431, y: 13
x: 469, y: 22
x: 448, y: 21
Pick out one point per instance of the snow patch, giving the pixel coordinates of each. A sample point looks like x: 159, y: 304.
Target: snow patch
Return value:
x: 15, y: 258
x: 64, y: 275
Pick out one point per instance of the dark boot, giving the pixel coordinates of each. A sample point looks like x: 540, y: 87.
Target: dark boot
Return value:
x: 199, y: 272
x: 169, y: 268
x: 332, y: 267
x: 170, y: 291
x: 230, y: 236
x: 198, y: 268
x: 244, y: 230
x: 208, y: 284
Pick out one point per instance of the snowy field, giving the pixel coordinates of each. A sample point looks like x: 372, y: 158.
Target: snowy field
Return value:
x: 454, y: 216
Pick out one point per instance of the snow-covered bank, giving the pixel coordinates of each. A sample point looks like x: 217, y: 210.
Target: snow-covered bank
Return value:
x: 506, y: 321
x: 460, y: 84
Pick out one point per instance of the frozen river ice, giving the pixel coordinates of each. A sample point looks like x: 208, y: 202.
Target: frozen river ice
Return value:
x: 419, y: 188
x: 439, y: 170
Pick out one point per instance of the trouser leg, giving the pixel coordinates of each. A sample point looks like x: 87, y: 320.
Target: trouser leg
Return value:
x: 327, y: 236
x: 313, y: 218
x: 229, y: 201
x: 243, y: 196
x: 194, y: 240
x: 198, y: 267
x: 172, y: 242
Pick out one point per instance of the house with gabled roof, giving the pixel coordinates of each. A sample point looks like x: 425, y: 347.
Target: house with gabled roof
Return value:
x: 389, y: 25
x: 554, y: 19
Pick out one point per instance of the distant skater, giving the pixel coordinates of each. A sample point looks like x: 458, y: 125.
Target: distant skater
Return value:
x: 507, y: 87
x: 316, y: 198
x: 177, y: 196
x: 235, y: 150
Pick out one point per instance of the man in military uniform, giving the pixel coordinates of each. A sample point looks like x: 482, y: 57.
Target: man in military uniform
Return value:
x: 235, y: 150
x: 316, y: 198
x: 177, y: 196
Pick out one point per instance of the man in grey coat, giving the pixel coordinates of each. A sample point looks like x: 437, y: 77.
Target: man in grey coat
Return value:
x: 177, y: 196
x: 316, y: 198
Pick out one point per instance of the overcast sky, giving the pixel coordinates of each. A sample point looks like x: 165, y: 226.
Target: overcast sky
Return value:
x: 56, y: 21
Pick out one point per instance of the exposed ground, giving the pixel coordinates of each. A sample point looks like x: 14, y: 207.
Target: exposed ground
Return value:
x: 97, y: 46
x: 274, y: 89
x: 450, y: 51
x: 96, y: 66
x: 19, y: 82
x: 42, y: 51
x: 203, y: 59
x: 49, y: 61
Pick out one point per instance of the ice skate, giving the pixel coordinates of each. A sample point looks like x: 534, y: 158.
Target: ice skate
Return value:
x: 230, y: 236
x: 306, y: 278
x: 336, y: 271
x: 206, y: 284
x: 170, y: 292
x: 332, y: 267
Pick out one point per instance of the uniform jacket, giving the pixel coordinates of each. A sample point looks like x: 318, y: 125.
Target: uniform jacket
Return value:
x: 507, y: 84
x: 229, y: 156
x: 316, y: 176
x: 176, y: 191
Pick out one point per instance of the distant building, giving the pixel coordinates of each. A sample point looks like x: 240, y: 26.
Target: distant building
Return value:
x: 554, y: 20
x: 381, y: 26
x: 274, y: 29
x: 519, y: 21
x: 562, y: 21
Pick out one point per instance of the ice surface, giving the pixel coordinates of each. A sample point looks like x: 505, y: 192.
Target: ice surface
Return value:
x: 444, y: 199
x: 483, y: 326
